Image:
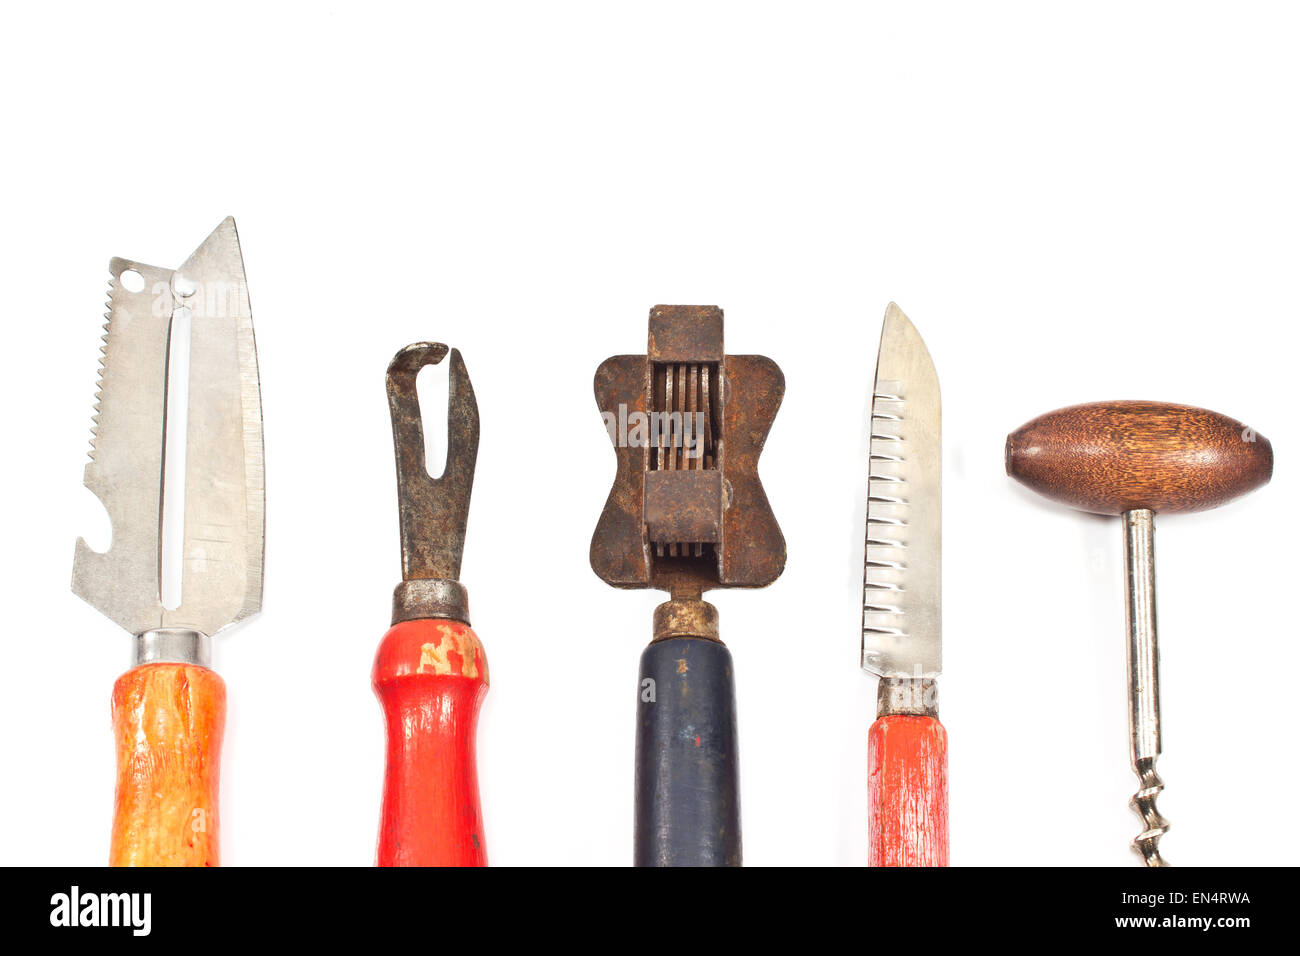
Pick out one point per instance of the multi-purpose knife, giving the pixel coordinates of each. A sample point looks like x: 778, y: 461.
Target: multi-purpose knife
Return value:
x: 907, y: 782
x: 169, y: 708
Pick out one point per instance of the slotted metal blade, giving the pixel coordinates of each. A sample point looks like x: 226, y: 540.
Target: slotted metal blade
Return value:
x: 221, y: 579
x: 901, y: 635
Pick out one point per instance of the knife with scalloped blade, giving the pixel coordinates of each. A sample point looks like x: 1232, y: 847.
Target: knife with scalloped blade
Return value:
x: 169, y: 709
x: 907, y: 781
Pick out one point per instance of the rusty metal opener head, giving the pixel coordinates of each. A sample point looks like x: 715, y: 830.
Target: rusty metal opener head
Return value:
x: 687, y: 512
x: 433, y: 511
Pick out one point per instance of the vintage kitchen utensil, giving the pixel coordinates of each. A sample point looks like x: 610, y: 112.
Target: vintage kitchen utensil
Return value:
x: 431, y: 673
x: 169, y: 709
x: 907, y: 749
x: 687, y: 513
x: 1137, y: 459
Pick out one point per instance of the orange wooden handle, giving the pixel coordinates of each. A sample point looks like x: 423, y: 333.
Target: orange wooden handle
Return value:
x: 907, y: 792
x: 431, y: 677
x: 167, y: 721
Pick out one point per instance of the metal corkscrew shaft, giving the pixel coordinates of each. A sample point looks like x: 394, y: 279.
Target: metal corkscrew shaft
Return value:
x: 1143, y: 678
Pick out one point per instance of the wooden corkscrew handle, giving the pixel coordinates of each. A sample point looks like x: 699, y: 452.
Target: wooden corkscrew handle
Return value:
x: 431, y: 677
x: 1113, y: 457
x: 167, y: 721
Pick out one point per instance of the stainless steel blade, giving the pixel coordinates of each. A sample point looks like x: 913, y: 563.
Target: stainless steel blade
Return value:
x: 225, y: 493
x: 901, y: 633
x: 221, y: 580
x: 125, y: 468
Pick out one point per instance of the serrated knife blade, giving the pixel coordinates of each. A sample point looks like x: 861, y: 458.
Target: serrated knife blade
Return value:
x: 901, y: 621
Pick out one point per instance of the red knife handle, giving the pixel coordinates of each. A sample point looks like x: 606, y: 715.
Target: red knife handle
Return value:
x: 907, y: 791
x: 431, y: 677
x: 167, y: 722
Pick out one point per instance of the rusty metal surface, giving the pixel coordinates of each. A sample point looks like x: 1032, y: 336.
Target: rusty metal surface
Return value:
x: 672, y: 521
x: 427, y: 599
x: 620, y: 554
x: 433, y: 511
x: 685, y: 333
x: 753, y: 553
x: 679, y: 618
x: 683, y: 506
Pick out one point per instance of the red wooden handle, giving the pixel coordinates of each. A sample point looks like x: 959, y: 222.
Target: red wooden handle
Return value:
x: 907, y: 791
x: 431, y: 677
x: 167, y: 721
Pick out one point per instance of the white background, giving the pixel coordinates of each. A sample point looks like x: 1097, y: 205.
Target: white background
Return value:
x: 1072, y: 203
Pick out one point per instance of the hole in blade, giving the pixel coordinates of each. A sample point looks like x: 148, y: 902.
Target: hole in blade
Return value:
x: 172, y: 557
x: 432, y: 389
x: 131, y: 281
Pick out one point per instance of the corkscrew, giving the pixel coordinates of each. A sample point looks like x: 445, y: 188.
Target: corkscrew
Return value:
x: 1143, y: 678
x: 1134, y: 459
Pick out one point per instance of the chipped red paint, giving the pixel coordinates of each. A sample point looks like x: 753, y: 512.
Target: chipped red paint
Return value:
x: 431, y: 677
x: 907, y: 792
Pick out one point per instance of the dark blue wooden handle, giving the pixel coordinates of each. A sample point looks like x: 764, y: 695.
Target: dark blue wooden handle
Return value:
x: 687, y: 764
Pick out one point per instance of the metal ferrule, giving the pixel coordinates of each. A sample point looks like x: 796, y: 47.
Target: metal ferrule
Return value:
x: 915, y: 696
x: 430, y: 599
x: 697, y: 619
x: 173, y: 645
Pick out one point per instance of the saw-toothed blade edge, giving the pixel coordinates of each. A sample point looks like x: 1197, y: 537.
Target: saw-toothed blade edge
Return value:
x: 221, y: 577
x: 126, y: 467
x: 901, y: 633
